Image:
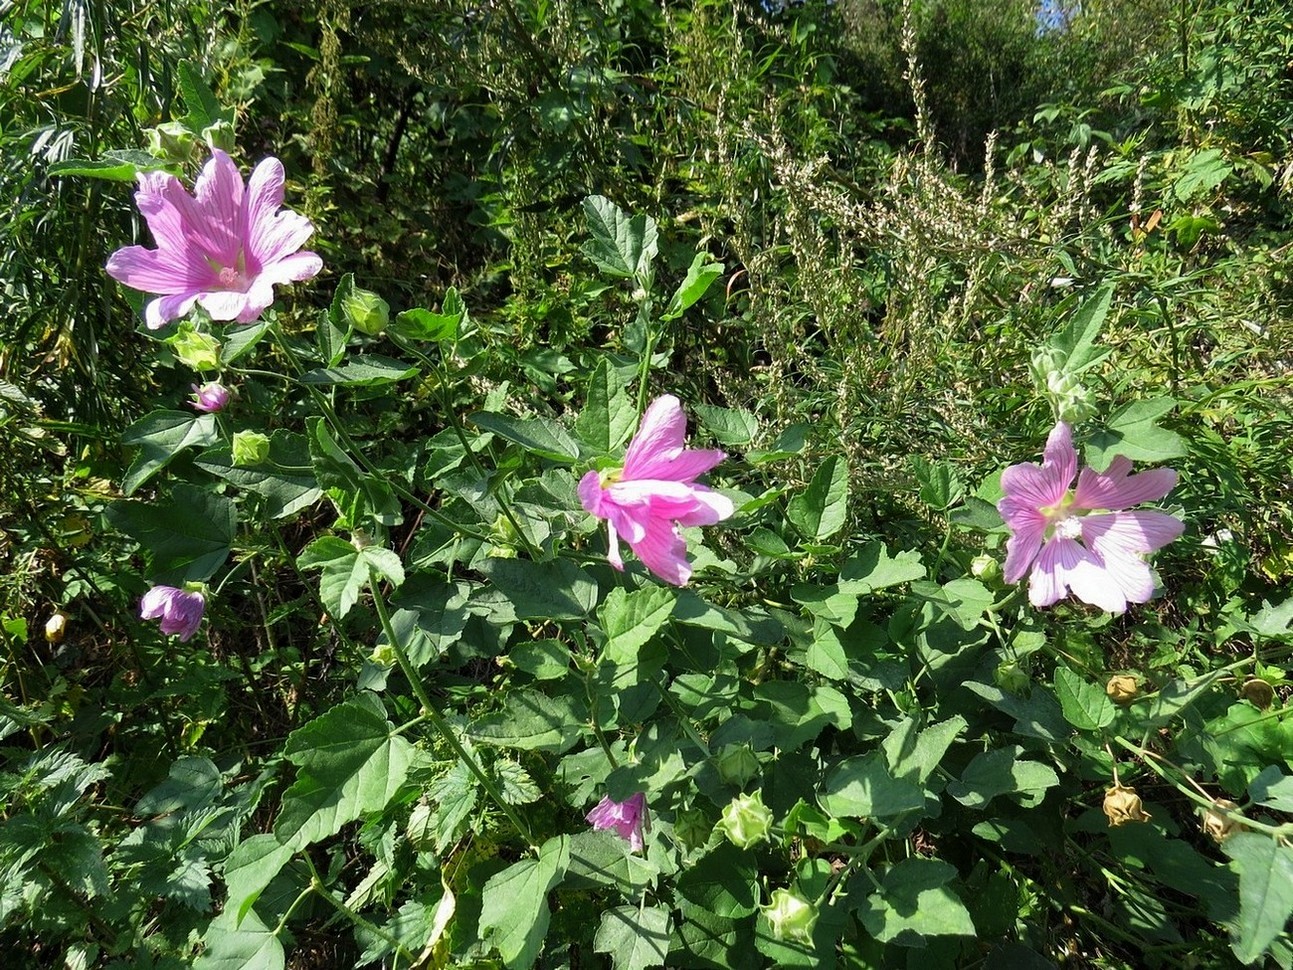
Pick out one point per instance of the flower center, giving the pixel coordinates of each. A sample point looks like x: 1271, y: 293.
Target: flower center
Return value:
x: 610, y: 477
x: 1069, y: 528
x: 232, y: 277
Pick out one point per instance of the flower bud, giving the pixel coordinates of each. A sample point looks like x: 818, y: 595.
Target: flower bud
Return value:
x: 383, y: 654
x: 361, y: 539
x: 56, y: 627
x: 201, y: 351
x: 790, y: 916
x: 1218, y: 825
x: 210, y: 397
x: 1258, y: 692
x: 365, y: 311
x: 220, y: 135
x: 746, y: 820
x: 986, y: 568
x: 172, y: 142
x: 736, y: 764
x: 1122, y: 805
x: 692, y: 829
x: 250, y: 448
x: 1122, y: 689
x: 1011, y: 677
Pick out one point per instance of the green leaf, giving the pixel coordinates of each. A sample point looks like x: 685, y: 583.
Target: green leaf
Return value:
x: 542, y: 659
x: 620, y: 245
x: 608, y: 415
x: 939, y: 487
x: 1203, y: 173
x: 914, y: 902
x: 543, y: 436
x: 723, y: 882
x: 819, y: 511
x: 241, y: 340
x: 912, y: 756
x: 1077, y: 340
x: 422, y: 324
x: 203, y: 108
x: 750, y: 625
x: 251, y: 866
x: 285, y: 480
x: 161, y: 436
x: 335, y: 470
x: 873, y: 568
x: 1265, y: 868
x: 350, y: 765
x: 826, y: 653
x: 1001, y: 772
x: 347, y: 570
x: 186, y: 538
x: 114, y: 166
x: 861, y: 787
x: 332, y: 332
x: 1086, y: 706
x: 514, y: 912
x: 788, y: 444
x: 700, y: 275
x: 1273, y: 789
x: 729, y: 426
x: 364, y: 370
x: 630, y: 619
x: 635, y: 938
x: 250, y: 946
x: 1133, y: 431
x: 532, y: 721
x: 558, y: 590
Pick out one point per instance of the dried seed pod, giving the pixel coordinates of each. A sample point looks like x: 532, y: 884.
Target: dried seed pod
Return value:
x: 1259, y: 692
x: 1219, y: 825
x: 1122, y: 805
x: 1122, y: 689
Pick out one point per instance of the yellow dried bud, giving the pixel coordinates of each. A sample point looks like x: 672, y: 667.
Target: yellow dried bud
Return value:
x: 1122, y: 689
x: 1218, y: 825
x: 56, y: 627
x: 1122, y: 805
x: 1259, y: 692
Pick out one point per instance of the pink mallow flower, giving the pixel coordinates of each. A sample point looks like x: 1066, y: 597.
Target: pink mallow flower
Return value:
x: 225, y: 246
x: 1069, y: 542
x: 655, y: 492
x: 210, y: 397
x: 628, y: 818
x: 180, y: 610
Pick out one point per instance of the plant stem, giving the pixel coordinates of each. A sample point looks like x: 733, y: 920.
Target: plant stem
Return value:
x: 432, y: 715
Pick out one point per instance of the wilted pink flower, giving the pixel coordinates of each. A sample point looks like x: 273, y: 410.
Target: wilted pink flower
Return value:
x: 645, y: 501
x: 225, y: 247
x: 628, y: 818
x: 1046, y: 520
x: 211, y: 396
x: 180, y: 610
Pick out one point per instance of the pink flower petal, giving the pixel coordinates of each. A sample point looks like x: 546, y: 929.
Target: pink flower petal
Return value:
x: 157, y: 271
x: 225, y: 304
x: 663, y: 551
x: 1023, y: 545
x: 659, y: 437
x: 1130, y: 533
x: 710, y: 509
x: 158, y: 313
x: 1132, y: 576
x: 291, y: 269
x: 1032, y: 486
x: 218, y: 193
x: 1116, y: 489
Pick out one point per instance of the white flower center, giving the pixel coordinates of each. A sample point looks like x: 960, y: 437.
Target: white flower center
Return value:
x: 1069, y: 527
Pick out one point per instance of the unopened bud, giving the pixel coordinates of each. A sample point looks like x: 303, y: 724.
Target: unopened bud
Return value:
x: 1122, y: 805
x: 692, y: 828
x: 790, y: 916
x: 746, y: 820
x: 201, y: 351
x: 985, y: 568
x: 250, y: 448
x: 56, y: 627
x: 1218, y: 824
x: 736, y: 764
x: 219, y: 135
x: 172, y: 142
x: 1011, y: 677
x: 361, y: 538
x: 1122, y: 689
x: 365, y: 311
x: 383, y: 654
x: 1259, y: 692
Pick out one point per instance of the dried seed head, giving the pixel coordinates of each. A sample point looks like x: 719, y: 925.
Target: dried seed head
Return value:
x: 1122, y: 805
x: 1259, y: 692
x: 1122, y: 689
x: 1218, y: 824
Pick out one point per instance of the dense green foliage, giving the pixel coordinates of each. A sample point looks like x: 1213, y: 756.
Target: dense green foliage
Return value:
x: 874, y: 247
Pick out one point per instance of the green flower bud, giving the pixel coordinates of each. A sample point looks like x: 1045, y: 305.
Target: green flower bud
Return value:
x: 201, y: 351
x: 383, y: 654
x: 986, y: 568
x: 172, y: 141
x: 1011, y: 677
x: 746, y: 820
x: 736, y: 764
x: 250, y: 448
x: 365, y: 311
x: 791, y: 916
x: 220, y: 135
x: 692, y: 828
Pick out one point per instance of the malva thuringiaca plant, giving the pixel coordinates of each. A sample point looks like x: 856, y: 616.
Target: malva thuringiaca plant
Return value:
x: 1046, y: 519
x: 813, y: 717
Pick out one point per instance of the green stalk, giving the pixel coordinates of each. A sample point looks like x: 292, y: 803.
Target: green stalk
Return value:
x: 432, y: 715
